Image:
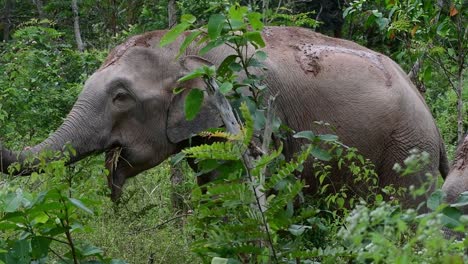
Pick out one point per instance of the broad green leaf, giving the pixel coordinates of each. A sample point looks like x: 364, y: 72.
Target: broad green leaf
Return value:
x: 40, y: 247
x: 435, y: 199
x: 41, y: 218
x: 193, y: 103
x: 218, y: 260
x: 188, y: 18
x: 255, y: 38
x: 215, y: 25
x: 6, y: 226
x: 177, y: 158
x: 451, y: 217
x: 298, y: 230
x: 80, y: 205
x: 255, y: 20
x: 189, y: 39
x: 13, y: 201
x: 462, y: 200
x: 20, y: 252
x: 261, y: 55
x: 305, y: 134
x: 237, y: 12
x: 321, y: 154
x: 90, y: 250
x: 223, y: 68
x: 236, y: 67
x: 225, y: 87
x: 173, y: 34
x: 211, y: 45
x: 328, y: 137
x: 195, y: 74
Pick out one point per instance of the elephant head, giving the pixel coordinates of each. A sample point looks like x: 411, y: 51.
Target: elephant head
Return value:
x: 128, y: 110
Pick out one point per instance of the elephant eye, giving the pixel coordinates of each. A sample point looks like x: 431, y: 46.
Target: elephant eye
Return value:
x: 121, y: 96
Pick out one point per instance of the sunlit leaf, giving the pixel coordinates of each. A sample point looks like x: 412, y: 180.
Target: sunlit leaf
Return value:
x: 188, y: 18
x: 255, y: 20
x: 173, y: 34
x: 255, y: 38
x: 225, y: 87
x: 80, y: 205
x: 215, y: 25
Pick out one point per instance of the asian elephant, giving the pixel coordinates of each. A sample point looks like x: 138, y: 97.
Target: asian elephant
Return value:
x: 366, y: 98
x: 457, y: 179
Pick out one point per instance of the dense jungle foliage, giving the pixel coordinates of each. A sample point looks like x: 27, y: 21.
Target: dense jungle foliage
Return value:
x: 63, y: 214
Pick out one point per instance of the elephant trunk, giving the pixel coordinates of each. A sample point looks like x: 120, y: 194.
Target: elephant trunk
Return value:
x: 79, y: 131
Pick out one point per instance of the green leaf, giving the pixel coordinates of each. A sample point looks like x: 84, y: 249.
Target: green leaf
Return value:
x: 236, y: 67
x: 462, y: 200
x: 177, y: 158
x: 217, y: 260
x: 321, y: 154
x: 451, y: 217
x: 20, y: 252
x: 223, y: 68
x: 255, y: 38
x: 90, y: 250
x: 195, y: 74
x: 188, y: 18
x: 178, y: 90
x: 435, y: 199
x: 255, y: 20
x: 13, y: 201
x: 193, y: 103
x: 6, y: 226
x: 237, y: 12
x: 328, y: 137
x: 173, y: 34
x: 80, y: 205
x: 261, y: 55
x: 189, y: 39
x: 40, y: 247
x: 211, y: 45
x: 305, y: 134
x: 41, y: 218
x: 225, y: 87
x: 297, y: 230
x: 215, y: 25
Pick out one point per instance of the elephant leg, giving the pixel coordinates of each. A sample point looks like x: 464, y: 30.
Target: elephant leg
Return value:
x: 397, y: 153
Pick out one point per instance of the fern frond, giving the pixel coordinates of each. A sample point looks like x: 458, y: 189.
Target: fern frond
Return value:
x: 288, y: 168
x: 217, y: 150
x: 264, y: 160
x: 219, y: 134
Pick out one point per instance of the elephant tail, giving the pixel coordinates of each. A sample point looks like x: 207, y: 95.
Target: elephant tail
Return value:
x: 444, y: 167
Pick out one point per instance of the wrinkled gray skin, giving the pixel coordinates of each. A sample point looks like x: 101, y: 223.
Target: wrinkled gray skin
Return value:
x: 457, y: 179
x: 364, y: 95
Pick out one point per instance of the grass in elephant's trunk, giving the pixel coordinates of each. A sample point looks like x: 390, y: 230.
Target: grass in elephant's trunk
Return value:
x: 113, y: 156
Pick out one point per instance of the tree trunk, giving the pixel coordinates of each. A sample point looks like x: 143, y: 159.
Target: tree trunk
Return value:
x: 76, y: 26
x: 6, y: 19
x: 40, y: 11
x: 460, y: 132
x: 171, y: 13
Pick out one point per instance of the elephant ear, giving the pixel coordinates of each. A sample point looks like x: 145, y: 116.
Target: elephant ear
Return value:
x: 178, y: 127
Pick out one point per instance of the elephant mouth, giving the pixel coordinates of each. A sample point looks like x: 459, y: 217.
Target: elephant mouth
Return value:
x: 114, y: 164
